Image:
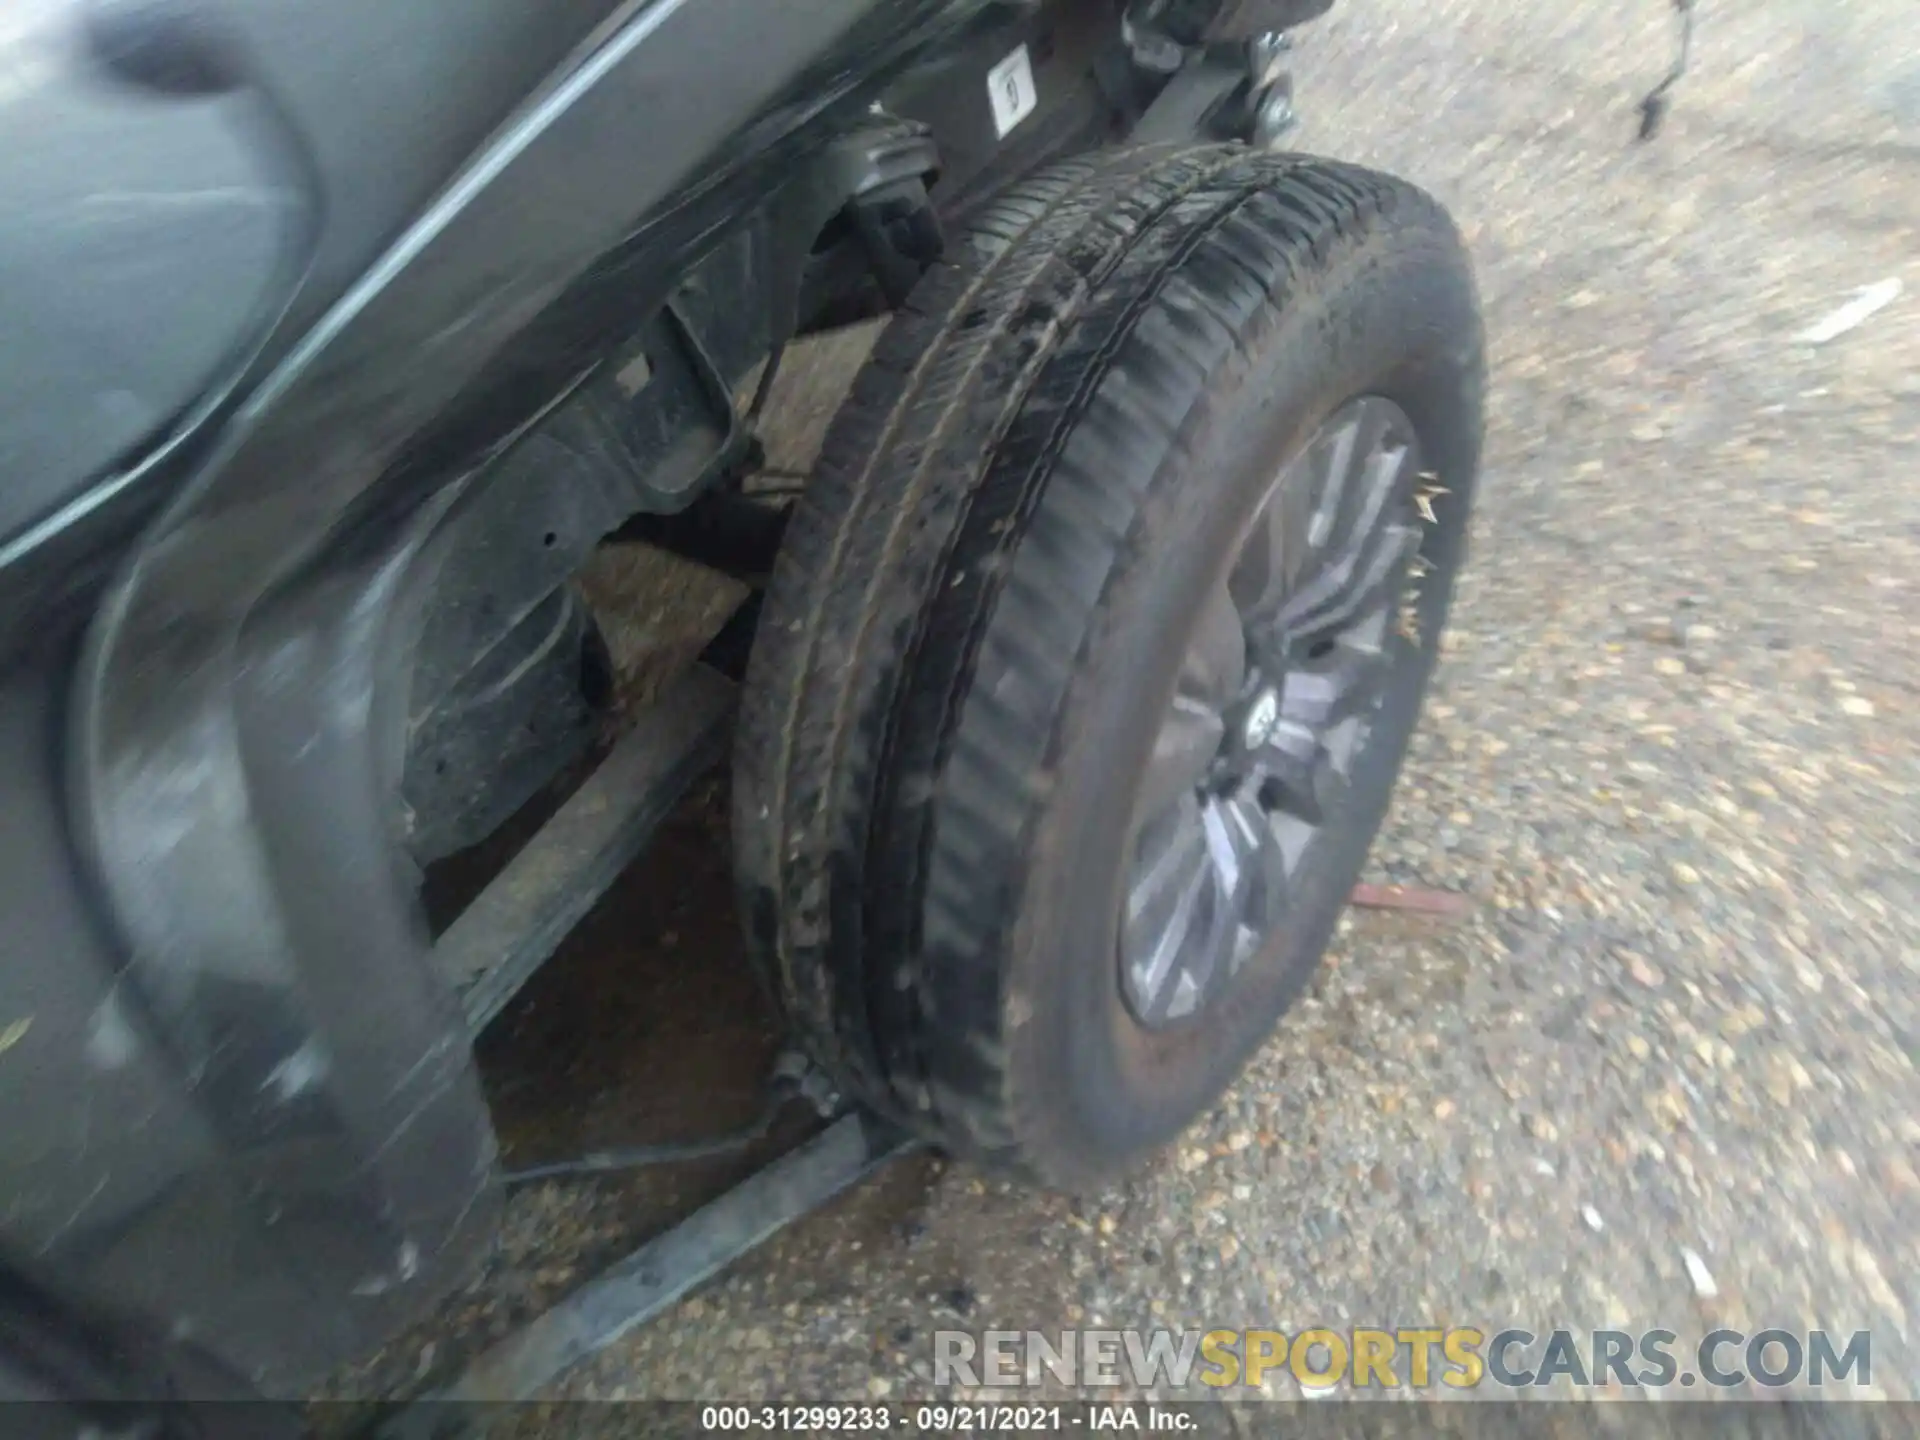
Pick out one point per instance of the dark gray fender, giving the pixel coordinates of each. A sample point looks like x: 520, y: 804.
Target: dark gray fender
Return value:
x: 230, y: 752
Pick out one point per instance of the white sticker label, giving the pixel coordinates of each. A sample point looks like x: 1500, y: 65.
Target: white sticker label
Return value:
x: 1010, y: 91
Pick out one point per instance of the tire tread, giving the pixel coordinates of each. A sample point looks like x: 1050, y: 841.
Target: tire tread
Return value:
x: 973, y: 499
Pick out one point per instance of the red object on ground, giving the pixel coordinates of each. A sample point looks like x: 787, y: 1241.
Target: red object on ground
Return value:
x: 1448, y: 903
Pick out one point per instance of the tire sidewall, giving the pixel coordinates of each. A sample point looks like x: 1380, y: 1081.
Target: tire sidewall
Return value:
x: 1398, y: 320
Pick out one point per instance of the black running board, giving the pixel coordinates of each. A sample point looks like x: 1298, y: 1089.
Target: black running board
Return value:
x: 649, y: 1281
x: 646, y: 1282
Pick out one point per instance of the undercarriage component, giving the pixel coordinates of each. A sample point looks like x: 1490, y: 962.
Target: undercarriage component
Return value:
x: 899, y: 234
x: 547, y: 888
x: 660, y: 412
x: 886, y: 234
x: 737, y: 535
x: 484, y: 748
x: 1223, y: 82
x: 1051, y: 56
x: 507, y: 667
x: 1206, y: 96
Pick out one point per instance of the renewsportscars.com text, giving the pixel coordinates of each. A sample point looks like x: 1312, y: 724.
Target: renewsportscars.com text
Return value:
x: 1416, y: 1357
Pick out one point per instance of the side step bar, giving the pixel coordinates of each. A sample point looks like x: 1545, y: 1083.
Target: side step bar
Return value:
x: 520, y: 919
x: 647, y: 1282
x: 639, y: 1287
x: 491, y: 950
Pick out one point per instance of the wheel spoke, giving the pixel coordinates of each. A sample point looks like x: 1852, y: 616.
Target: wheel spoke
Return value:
x: 1339, y: 451
x: 1268, y: 902
x: 1234, y: 833
x: 1158, y: 967
x: 1371, y: 464
x: 1233, y: 838
x: 1323, y: 545
x: 1168, y: 852
x: 1294, y: 524
x: 1333, y: 780
x: 1163, y: 904
x: 1342, y: 741
x: 1293, y: 835
x: 1358, y: 547
x: 1344, y: 683
x: 1350, y: 585
x: 1257, y: 757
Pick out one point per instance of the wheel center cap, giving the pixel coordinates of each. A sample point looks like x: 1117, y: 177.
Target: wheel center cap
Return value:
x: 1262, y: 715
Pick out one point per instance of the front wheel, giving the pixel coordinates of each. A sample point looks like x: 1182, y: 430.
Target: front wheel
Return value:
x: 1097, y: 641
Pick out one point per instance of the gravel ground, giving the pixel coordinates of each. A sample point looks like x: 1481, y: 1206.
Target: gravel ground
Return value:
x: 1672, y: 753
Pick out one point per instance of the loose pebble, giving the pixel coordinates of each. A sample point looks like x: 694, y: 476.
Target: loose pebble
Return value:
x: 1698, y: 1275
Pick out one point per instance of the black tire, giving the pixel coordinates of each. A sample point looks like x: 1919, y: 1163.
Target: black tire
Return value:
x: 980, y: 608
